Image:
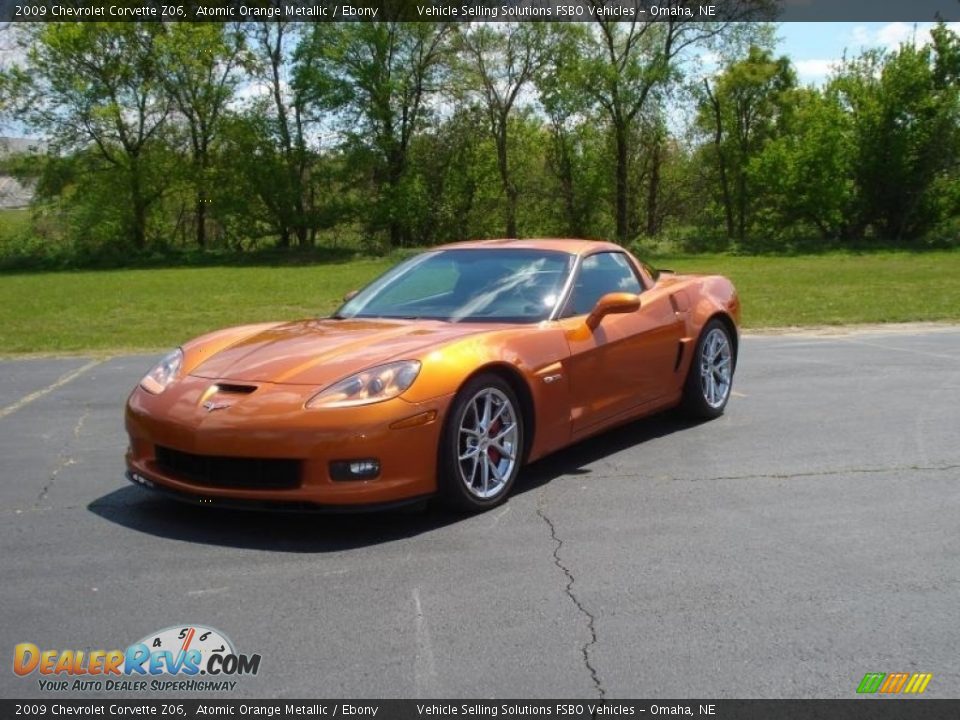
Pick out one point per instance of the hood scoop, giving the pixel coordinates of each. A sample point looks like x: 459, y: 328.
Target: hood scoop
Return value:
x: 234, y: 389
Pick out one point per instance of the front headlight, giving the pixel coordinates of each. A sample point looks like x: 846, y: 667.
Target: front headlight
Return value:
x: 370, y: 386
x: 164, y: 373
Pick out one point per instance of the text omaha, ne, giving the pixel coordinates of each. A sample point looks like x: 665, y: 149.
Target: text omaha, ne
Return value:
x: 653, y: 12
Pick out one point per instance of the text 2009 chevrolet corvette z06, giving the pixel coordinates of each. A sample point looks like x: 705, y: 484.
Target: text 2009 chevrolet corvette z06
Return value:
x: 442, y: 377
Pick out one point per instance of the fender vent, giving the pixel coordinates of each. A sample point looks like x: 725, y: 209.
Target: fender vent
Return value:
x: 676, y: 365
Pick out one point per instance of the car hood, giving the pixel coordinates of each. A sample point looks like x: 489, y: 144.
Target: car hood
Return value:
x: 320, y: 352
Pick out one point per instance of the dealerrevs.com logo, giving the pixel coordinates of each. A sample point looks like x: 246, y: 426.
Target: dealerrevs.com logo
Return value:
x: 173, y: 659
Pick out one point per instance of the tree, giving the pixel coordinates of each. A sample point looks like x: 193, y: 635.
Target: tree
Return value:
x: 378, y: 76
x: 454, y: 166
x: 743, y: 109
x: 199, y: 65
x: 619, y: 65
x: 100, y: 84
x: 287, y: 125
x: 806, y: 172
x: 576, y: 156
x: 905, y: 108
x: 498, y: 62
x: 652, y: 143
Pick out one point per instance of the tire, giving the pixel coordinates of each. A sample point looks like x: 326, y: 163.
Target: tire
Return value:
x: 476, y: 473
x: 710, y: 379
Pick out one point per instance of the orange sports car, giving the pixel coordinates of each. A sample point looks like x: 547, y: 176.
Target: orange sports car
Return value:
x: 443, y: 377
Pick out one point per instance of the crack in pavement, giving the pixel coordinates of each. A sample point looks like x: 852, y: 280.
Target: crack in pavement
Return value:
x: 41, y: 508
x: 571, y: 580
x: 42, y: 495
x: 79, y: 426
x: 568, y: 590
x: 829, y: 473
x: 65, y: 460
x: 111, y: 505
x: 779, y: 476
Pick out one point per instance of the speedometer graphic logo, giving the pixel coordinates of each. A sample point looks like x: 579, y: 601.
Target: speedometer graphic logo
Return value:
x: 180, y: 648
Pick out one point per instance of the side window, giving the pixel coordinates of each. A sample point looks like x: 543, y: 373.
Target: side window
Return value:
x: 600, y: 274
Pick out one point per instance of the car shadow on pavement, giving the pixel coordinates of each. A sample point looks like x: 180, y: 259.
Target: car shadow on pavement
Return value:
x: 576, y: 459
x: 293, y: 532
x: 141, y: 510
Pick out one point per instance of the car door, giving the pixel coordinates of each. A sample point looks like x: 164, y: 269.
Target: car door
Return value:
x: 625, y: 362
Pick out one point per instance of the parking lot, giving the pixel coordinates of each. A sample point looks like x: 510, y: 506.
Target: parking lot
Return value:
x: 810, y: 535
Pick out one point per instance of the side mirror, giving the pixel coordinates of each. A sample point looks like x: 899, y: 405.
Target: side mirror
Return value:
x: 350, y: 295
x: 611, y: 304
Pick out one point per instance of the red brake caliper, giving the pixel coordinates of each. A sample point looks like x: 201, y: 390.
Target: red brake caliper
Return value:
x: 492, y: 452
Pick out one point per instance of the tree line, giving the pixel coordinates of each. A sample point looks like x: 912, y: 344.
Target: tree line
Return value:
x: 384, y: 134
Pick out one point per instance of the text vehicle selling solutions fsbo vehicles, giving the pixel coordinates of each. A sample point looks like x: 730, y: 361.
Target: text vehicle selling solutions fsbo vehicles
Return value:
x: 444, y: 376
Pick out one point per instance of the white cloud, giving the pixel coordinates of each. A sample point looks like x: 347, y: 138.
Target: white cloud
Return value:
x: 814, y: 70
x: 254, y: 89
x: 894, y: 34
x: 888, y: 37
x: 860, y: 36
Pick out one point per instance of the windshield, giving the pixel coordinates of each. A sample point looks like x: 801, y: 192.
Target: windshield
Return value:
x: 501, y: 285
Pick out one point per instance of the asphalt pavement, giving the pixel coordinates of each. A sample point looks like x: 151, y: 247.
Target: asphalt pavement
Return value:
x: 810, y: 535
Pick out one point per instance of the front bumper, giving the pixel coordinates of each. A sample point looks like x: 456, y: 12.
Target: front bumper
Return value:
x: 271, y: 423
x: 192, y: 498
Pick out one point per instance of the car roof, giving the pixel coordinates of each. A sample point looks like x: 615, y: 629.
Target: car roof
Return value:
x: 567, y: 245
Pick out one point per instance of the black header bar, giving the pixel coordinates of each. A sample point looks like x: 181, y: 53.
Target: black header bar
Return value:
x: 483, y: 10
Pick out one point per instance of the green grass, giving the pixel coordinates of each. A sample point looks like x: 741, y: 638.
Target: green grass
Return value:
x: 121, y: 310
x: 118, y: 310
x: 13, y: 222
x: 837, y: 288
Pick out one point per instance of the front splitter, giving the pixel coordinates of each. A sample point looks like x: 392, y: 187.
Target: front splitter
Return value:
x: 296, y: 506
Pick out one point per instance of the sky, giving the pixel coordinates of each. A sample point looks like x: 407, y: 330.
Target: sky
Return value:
x: 814, y: 47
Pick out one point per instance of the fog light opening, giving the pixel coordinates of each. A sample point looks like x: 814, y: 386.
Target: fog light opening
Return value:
x: 360, y: 469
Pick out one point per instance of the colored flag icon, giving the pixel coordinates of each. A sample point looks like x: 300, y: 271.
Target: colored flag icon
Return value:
x: 894, y: 683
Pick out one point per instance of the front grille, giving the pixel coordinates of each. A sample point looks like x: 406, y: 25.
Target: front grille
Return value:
x: 229, y: 472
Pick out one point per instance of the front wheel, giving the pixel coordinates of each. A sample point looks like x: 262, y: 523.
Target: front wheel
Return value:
x: 482, y: 445
x: 708, y: 384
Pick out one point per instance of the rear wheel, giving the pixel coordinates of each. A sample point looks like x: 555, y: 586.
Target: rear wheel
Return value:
x: 708, y: 384
x: 482, y: 445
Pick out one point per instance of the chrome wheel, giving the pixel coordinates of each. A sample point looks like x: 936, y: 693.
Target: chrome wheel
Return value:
x: 716, y: 367
x: 487, y: 443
